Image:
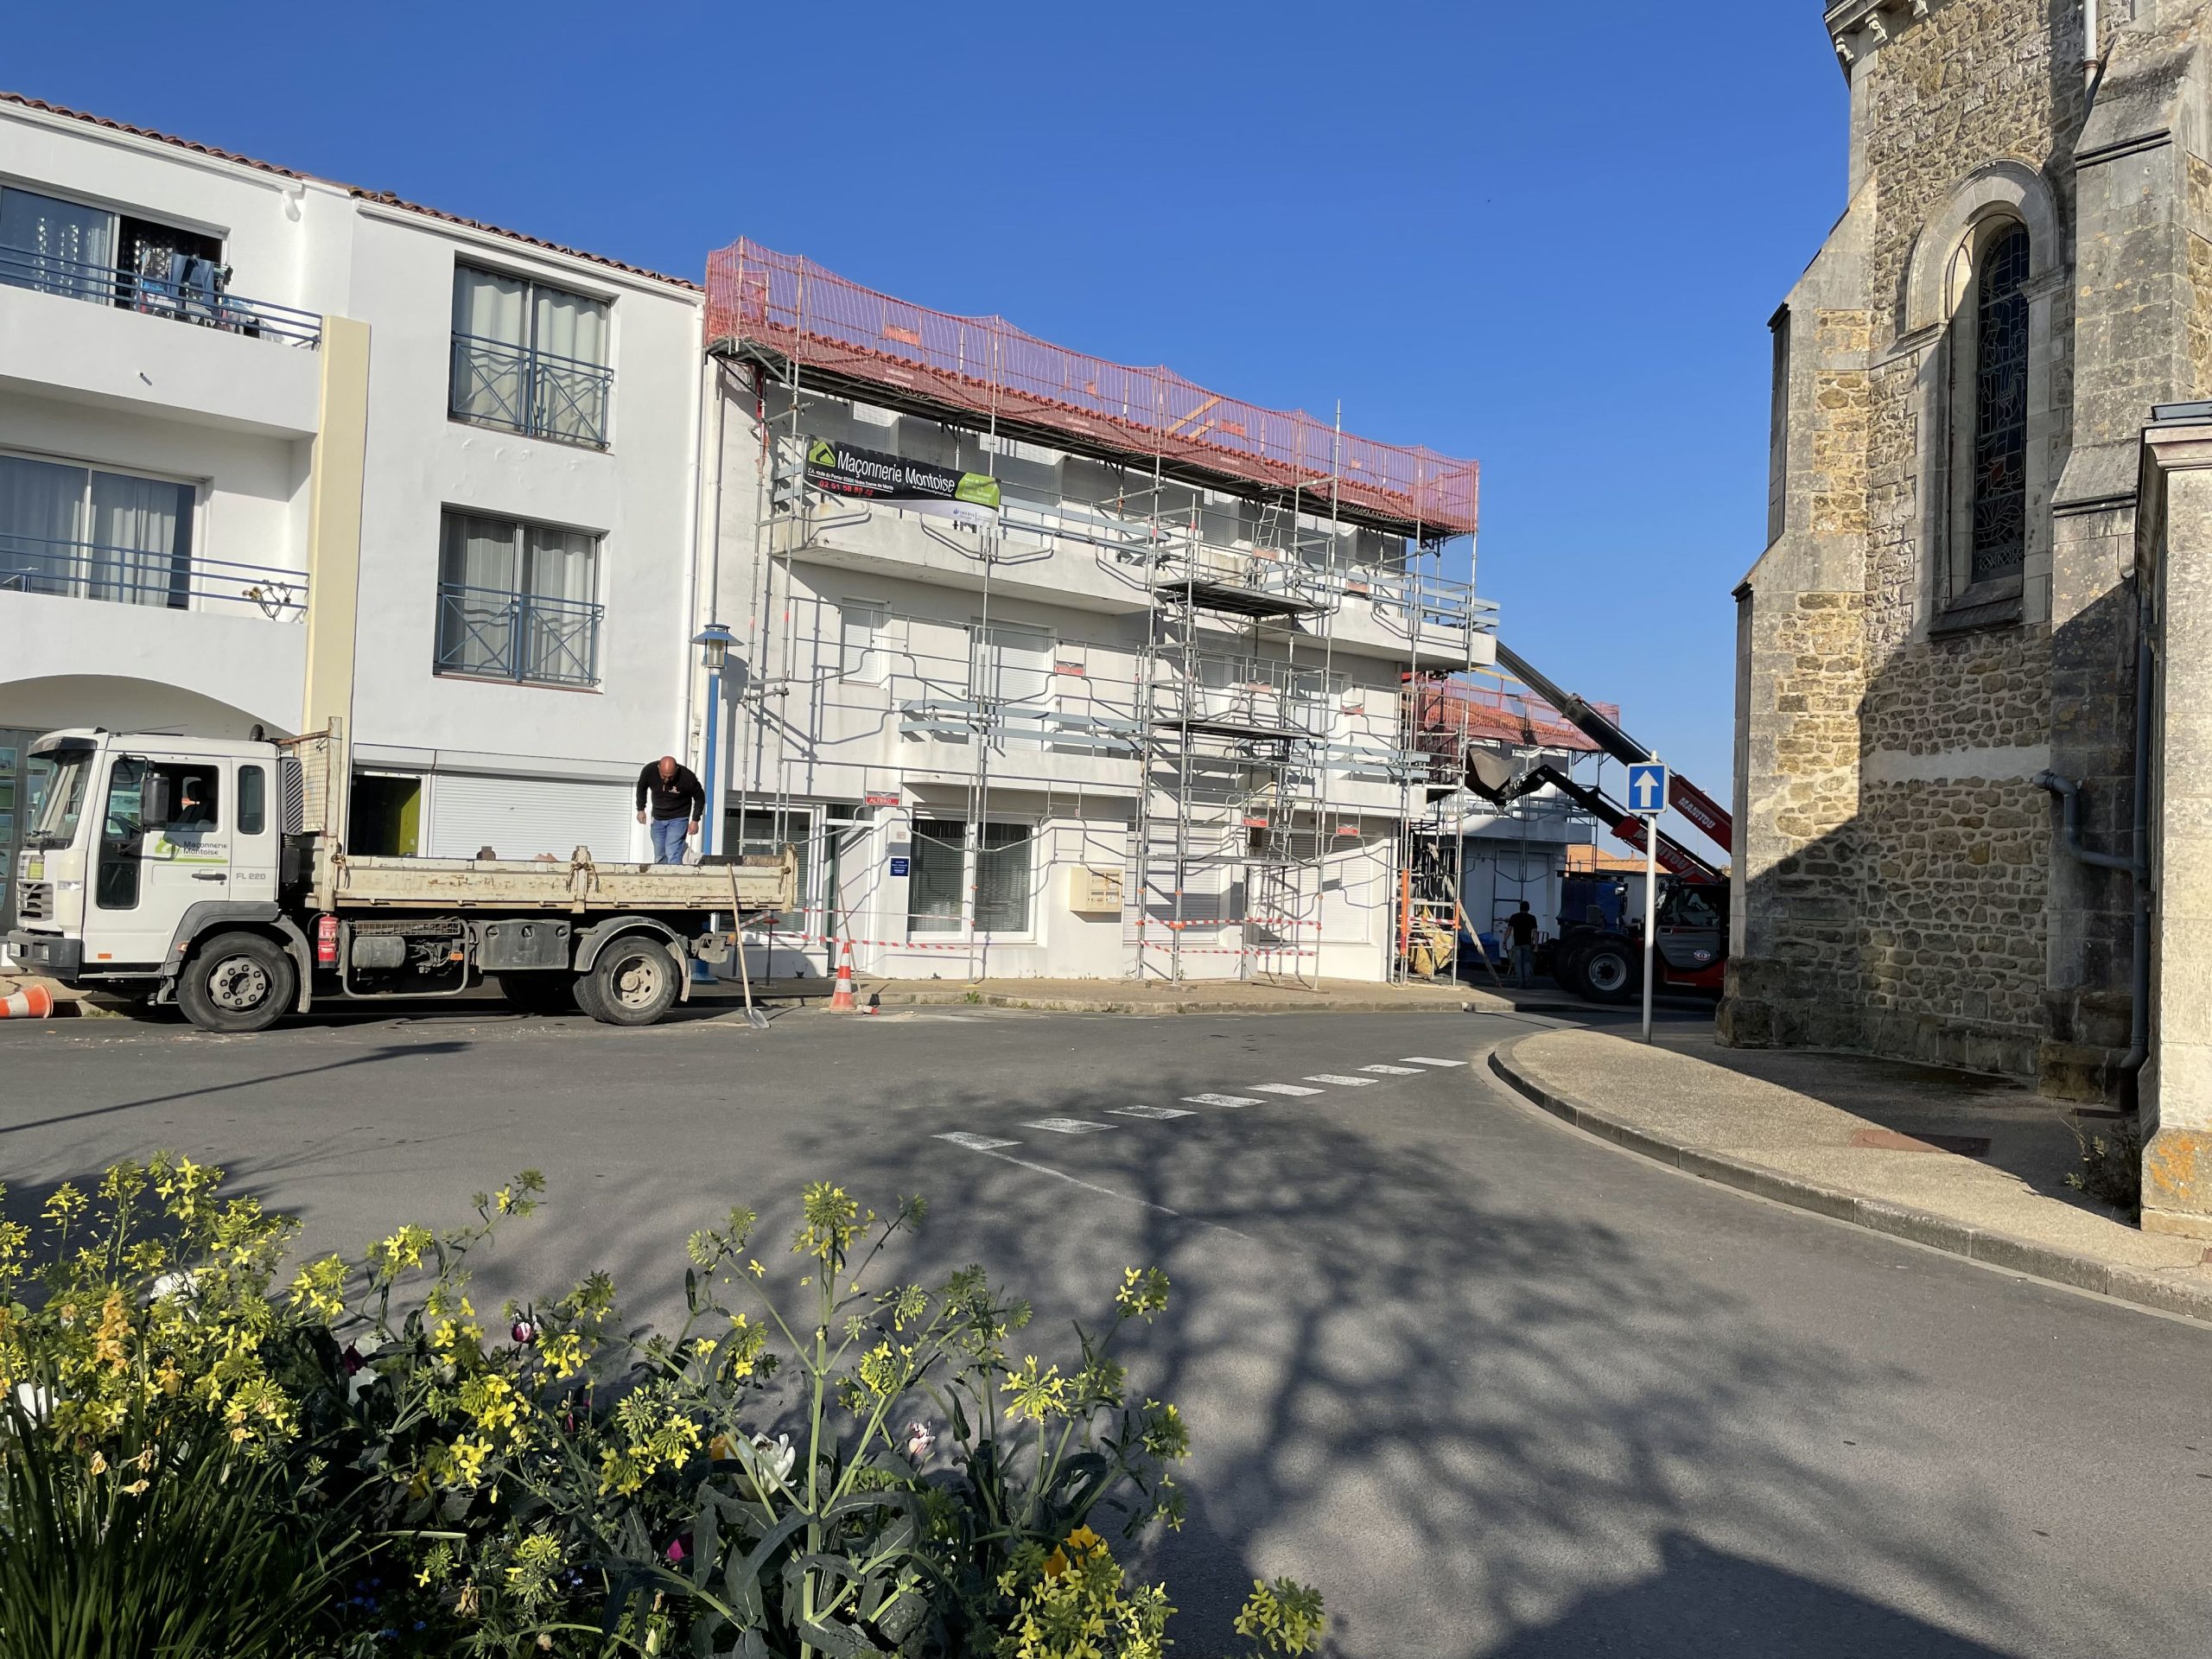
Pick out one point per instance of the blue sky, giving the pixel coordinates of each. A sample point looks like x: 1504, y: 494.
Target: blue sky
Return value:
x: 1549, y: 238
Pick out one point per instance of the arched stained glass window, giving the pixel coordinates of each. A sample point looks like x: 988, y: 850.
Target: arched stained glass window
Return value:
x: 2000, y: 406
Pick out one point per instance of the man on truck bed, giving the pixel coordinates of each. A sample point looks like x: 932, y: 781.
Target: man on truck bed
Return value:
x: 678, y: 804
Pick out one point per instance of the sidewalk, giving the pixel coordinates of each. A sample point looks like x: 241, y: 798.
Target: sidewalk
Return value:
x: 1133, y: 996
x: 1058, y: 995
x: 1968, y: 1164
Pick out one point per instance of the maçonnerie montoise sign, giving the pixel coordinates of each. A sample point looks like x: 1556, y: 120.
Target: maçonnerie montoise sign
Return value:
x: 916, y: 485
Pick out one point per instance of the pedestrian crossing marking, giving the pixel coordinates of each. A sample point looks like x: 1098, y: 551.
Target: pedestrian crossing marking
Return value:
x: 977, y: 1143
x: 1066, y: 1125
x: 1148, y: 1111
x: 1430, y: 1060
x: 1221, y: 1100
x: 1394, y: 1070
x: 1284, y: 1088
x: 1336, y: 1077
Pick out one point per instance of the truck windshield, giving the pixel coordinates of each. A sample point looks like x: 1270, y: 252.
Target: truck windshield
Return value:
x: 53, y: 818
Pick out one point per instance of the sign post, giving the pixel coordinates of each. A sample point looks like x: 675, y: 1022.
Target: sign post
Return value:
x: 1647, y: 798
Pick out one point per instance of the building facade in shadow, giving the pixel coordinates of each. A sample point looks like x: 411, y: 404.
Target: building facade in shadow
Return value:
x: 1944, y: 640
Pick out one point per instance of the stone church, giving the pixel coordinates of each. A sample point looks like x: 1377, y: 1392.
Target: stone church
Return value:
x: 1973, y: 764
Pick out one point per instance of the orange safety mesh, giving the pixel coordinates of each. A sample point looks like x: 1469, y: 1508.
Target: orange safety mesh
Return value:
x: 1447, y: 710
x: 794, y: 307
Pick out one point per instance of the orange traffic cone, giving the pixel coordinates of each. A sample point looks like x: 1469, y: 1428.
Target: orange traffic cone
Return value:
x: 840, y: 1000
x: 32, y: 1003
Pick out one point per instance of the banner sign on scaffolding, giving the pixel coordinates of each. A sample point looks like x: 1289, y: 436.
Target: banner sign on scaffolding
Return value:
x: 970, y: 498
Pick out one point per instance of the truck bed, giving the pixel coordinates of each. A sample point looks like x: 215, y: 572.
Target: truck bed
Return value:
x: 574, y: 886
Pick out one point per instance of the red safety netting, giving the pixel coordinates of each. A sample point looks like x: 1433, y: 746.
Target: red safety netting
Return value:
x: 984, y: 365
x: 1446, y: 711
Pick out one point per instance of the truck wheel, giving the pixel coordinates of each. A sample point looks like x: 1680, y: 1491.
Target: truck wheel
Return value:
x: 1567, y: 970
x: 544, y: 993
x: 632, y: 983
x: 1608, y: 974
x: 235, y: 983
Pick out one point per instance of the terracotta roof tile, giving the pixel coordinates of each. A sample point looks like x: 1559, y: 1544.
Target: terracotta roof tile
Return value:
x: 385, y: 197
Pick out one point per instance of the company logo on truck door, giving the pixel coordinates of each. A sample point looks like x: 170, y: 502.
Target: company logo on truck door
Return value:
x: 915, y: 486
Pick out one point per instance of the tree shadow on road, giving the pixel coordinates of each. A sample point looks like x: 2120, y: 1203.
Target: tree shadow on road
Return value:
x: 1484, y: 1424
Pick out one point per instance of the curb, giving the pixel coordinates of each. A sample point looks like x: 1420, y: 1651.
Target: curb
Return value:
x: 2140, y: 1286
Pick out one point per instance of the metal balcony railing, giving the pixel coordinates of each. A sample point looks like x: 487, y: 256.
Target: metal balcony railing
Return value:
x: 196, y: 297
x: 541, y: 394
x: 132, y: 575
x: 497, y: 634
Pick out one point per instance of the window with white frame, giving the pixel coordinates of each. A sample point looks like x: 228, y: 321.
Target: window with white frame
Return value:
x: 946, y: 859
x: 84, y: 532
x: 517, y: 601
x: 530, y: 357
x: 1010, y: 665
x: 757, y: 832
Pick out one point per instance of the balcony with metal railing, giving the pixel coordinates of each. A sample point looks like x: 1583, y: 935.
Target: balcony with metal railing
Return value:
x: 538, y: 393
x: 495, y: 633
x: 195, y: 292
x: 150, y: 578
x: 194, y: 635
x: 172, y: 345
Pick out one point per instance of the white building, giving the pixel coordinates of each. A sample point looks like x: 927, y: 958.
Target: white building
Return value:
x: 244, y: 410
x: 1103, y: 675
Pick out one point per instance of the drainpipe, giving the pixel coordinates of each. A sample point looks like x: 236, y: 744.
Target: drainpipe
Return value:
x: 2137, y: 865
x: 2093, y: 61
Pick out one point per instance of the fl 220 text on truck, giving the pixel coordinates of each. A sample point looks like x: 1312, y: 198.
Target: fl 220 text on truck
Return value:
x: 211, y: 873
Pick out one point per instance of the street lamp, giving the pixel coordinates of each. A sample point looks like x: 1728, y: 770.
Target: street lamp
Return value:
x: 714, y: 642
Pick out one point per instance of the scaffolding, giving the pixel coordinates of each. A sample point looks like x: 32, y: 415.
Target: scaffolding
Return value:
x: 1241, y: 533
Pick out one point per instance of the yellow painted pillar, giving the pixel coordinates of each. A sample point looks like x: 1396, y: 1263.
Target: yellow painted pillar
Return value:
x: 335, y: 487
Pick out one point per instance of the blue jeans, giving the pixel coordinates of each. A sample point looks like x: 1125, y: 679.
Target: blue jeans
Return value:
x: 668, y: 839
x: 1524, y: 965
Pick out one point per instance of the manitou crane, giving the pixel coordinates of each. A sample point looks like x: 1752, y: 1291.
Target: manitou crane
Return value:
x: 1604, y: 961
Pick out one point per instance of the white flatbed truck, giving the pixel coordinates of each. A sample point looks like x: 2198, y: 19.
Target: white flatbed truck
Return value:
x: 211, y: 874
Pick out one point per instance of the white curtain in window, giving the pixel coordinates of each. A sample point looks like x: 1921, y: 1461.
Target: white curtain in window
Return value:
x: 559, y: 584
x: 490, y: 307
x: 40, y: 505
x: 570, y: 326
x: 489, y: 383
x: 568, y: 393
x: 71, y: 246
x: 139, y: 541
x: 476, y: 576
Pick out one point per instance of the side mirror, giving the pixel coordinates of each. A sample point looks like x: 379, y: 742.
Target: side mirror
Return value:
x: 154, y: 802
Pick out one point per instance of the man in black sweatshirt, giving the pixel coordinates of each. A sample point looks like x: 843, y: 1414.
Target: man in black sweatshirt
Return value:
x: 678, y: 804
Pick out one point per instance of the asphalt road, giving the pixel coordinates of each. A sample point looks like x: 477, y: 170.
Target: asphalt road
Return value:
x: 1498, y: 1388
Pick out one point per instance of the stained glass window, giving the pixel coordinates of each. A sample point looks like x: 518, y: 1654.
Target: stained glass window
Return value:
x: 2000, y: 406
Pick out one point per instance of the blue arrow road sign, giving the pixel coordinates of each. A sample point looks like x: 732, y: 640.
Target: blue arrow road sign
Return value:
x: 1647, y: 788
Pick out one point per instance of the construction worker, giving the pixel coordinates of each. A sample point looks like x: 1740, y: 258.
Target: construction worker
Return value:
x: 679, y: 802
x: 1521, y: 930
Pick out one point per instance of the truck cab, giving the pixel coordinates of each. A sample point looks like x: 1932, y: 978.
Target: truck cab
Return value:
x: 139, y: 841
x: 211, y: 873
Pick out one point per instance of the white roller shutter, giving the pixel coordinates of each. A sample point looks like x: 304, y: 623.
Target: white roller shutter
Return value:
x: 521, y: 817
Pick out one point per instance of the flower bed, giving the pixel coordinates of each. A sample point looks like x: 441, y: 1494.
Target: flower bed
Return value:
x: 359, y: 1462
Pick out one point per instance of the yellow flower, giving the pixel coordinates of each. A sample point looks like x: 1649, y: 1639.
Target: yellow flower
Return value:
x: 136, y: 1487
x: 1055, y: 1564
x: 100, y: 1464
